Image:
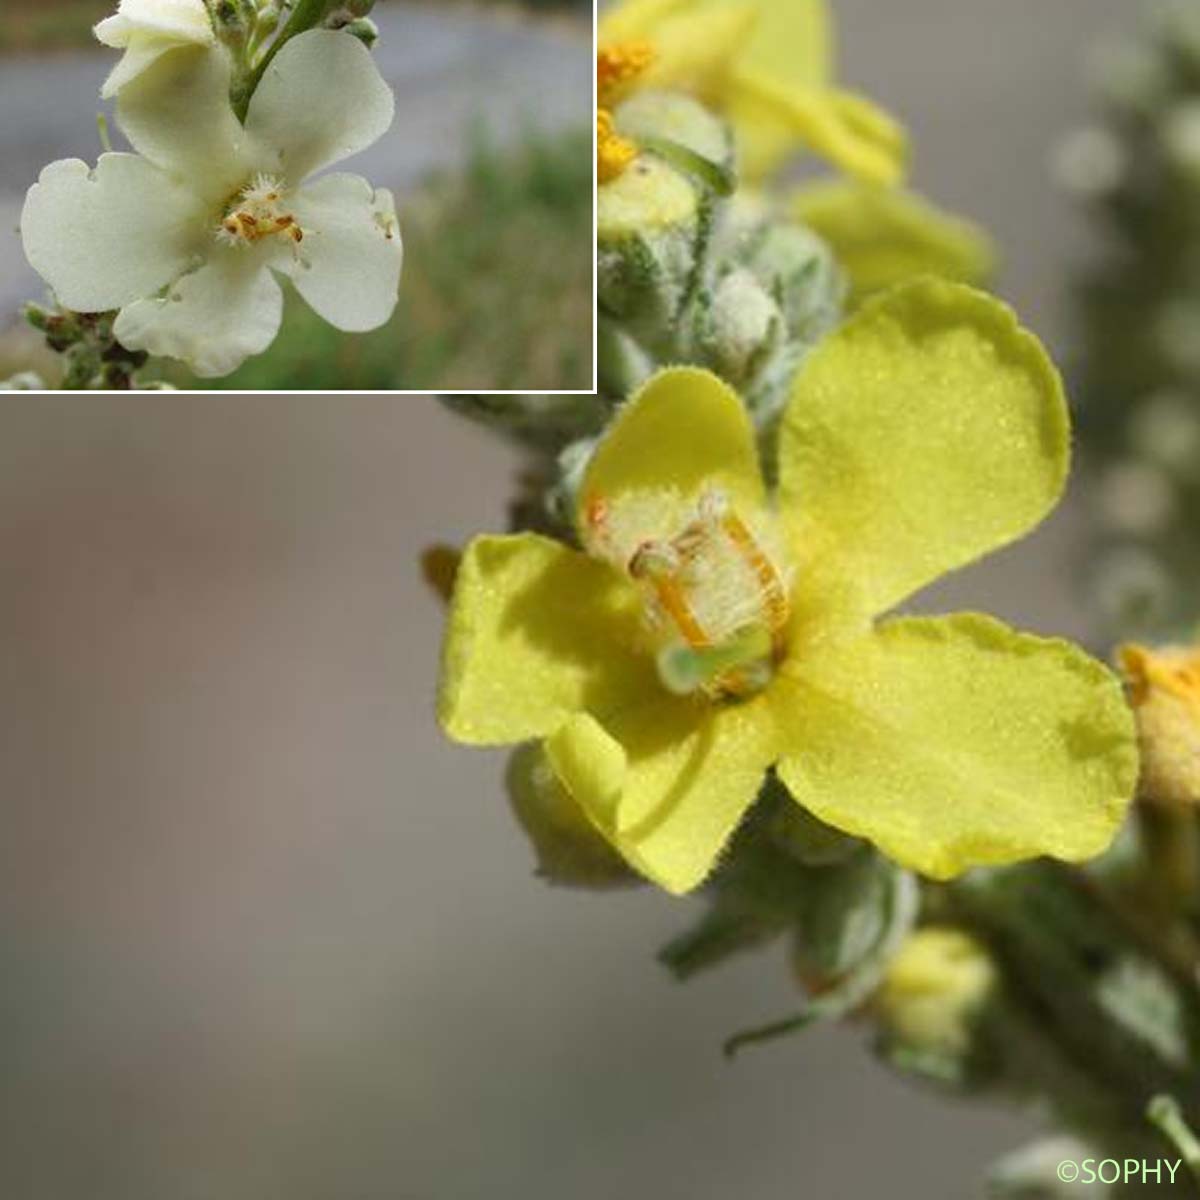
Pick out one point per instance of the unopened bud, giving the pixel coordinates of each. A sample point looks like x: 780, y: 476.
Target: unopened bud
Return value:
x: 1164, y: 689
x: 743, y: 323
x: 364, y: 29
x: 267, y: 18
x: 569, y: 848
x: 38, y: 317
x: 933, y: 990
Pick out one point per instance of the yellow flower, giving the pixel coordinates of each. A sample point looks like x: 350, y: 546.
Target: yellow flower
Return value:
x: 1164, y: 688
x: 765, y: 65
x: 706, y: 634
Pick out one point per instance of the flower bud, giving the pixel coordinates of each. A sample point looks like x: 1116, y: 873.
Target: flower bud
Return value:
x: 1164, y: 689
x: 744, y: 326
x: 933, y: 991
x: 267, y: 18
x: 650, y: 228
x: 847, y: 913
x: 364, y: 29
x: 654, y: 216
x: 569, y: 849
x: 37, y: 316
x: 672, y: 117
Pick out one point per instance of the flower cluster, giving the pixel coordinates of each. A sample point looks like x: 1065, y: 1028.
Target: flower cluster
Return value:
x: 185, y: 240
x: 807, y: 413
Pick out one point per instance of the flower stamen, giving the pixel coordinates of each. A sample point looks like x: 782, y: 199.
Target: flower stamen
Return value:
x: 255, y: 213
x: 712, y: 584
x: 660, y: 566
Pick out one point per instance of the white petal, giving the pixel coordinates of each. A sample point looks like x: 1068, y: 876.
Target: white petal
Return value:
x: 102, y: 238
x: 178, y: 20
x: 143, y: 52
x: 213, y: 319
x: 177, y: 113
x: 348, y: 266
x: 114, y: 31
x: 321, y: 100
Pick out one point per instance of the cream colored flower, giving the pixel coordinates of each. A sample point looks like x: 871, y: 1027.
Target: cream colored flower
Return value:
x: 188, y: 236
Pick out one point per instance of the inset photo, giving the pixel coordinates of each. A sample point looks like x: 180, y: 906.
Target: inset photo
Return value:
x: 297, y: 195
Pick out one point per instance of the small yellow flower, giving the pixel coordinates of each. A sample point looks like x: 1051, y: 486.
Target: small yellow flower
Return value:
x: 1164, y: 689
x: 613, y: 152
x: 765, y: 65
x: 617, y: 69
x: 933, y: 988
x: 708, y: 632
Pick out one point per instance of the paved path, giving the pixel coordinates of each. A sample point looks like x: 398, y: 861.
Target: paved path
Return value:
x: 450, y: 68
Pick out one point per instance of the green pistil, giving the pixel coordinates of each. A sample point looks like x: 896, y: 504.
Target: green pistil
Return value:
x: 684, y: 669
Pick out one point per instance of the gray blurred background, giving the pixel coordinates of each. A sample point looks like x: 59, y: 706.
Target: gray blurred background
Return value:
x: 264, y: 936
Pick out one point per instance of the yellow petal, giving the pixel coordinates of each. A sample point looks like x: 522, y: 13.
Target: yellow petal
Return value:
x: 536, y: 633
x: 789, y: 38
x: 882, y: 237
x: 667, y: 782
x: 773, y: 118
x: 793, y: 41
x: 635, y: 19
x: 695, y: 50
x: 957, y: 742
x: 927, y: 431
x: 682, y: 430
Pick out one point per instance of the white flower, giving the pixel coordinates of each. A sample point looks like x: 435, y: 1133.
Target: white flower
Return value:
x: 186, y: 236
x: 146, y: 30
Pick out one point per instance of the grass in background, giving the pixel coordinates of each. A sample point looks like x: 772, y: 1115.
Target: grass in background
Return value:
x: 58, y: 24
x: 496, y: 291
x: 50, y: 24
